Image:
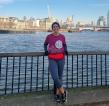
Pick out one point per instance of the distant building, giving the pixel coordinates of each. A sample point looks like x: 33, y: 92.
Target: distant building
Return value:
x: 93, y: 23
x: 36, y: 23
x: 7, y: 22
x: 46, y: 23
x: 13, y: 22
x: 69, y: 22
x: 20, y: 24
x: 4, y: 21
x: 101, y: 22
x: 23, y: 24
x: 85, y: 24
x: 108, y: 19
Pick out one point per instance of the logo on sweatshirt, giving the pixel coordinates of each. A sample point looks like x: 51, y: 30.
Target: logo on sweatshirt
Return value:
x: 58, y: 44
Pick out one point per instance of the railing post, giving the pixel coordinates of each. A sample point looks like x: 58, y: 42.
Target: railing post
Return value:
x: 31, y: 73
x: 54, y: 90
x: 67, y: 74
x: 105, y: 70
x: 72, y: 70
x: 6, y: 75
x: 0, y: 67
x: 13, y: 74
x: 19, y: 74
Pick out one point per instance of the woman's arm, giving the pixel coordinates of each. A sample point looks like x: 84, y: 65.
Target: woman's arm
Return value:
x: 45, y: 46
x: 65, y: 46
x: 65, y: 49
x: 45, y: 49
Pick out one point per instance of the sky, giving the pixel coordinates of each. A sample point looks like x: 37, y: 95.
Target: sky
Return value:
x: 81, y: 10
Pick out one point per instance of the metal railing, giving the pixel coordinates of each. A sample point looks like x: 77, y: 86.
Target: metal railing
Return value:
x: 26, y: 72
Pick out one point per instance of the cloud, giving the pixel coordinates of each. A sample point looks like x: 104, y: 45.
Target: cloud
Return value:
x: 2, y: 2
x: 5, y: 1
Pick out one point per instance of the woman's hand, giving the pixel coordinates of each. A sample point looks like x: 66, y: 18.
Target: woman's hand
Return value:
x: 66, y: 52
x: 46, y: 53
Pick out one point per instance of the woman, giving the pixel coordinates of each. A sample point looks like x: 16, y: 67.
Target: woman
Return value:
x: 55, y: 47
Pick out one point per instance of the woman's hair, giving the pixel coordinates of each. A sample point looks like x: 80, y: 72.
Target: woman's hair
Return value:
x: 54, y: 24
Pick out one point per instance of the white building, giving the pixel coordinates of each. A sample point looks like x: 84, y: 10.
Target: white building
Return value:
x: 36, y: 23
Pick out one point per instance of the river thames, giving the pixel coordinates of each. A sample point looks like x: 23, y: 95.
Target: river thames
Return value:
x: 21, y: 74
x: 77, y: 41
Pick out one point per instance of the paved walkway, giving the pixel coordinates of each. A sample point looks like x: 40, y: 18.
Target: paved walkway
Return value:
x: 83, y: 96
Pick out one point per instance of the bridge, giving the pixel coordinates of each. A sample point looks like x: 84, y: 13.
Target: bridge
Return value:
x: 101, y: 28
x: 86, y: 28
x: 94, y: 28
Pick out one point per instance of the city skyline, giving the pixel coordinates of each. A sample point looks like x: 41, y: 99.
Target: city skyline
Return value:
x: 81, y: 10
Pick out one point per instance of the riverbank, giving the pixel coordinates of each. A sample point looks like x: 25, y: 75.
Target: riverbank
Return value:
x: 31, y: 31
x: 76, y: 97
x: 11, y: 30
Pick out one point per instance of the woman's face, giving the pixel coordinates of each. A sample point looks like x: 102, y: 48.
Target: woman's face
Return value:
x: 55, y: 28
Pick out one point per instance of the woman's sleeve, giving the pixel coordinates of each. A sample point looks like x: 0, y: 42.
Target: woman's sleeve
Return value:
x: 45, y: 44
x: 46, y: 40
x: 65, y: 45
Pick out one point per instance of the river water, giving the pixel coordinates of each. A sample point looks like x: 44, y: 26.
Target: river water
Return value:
x: 30, y: 76
x: 78, y: 41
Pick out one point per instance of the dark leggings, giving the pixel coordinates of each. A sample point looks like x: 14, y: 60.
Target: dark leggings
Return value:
x: 56, y: 69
